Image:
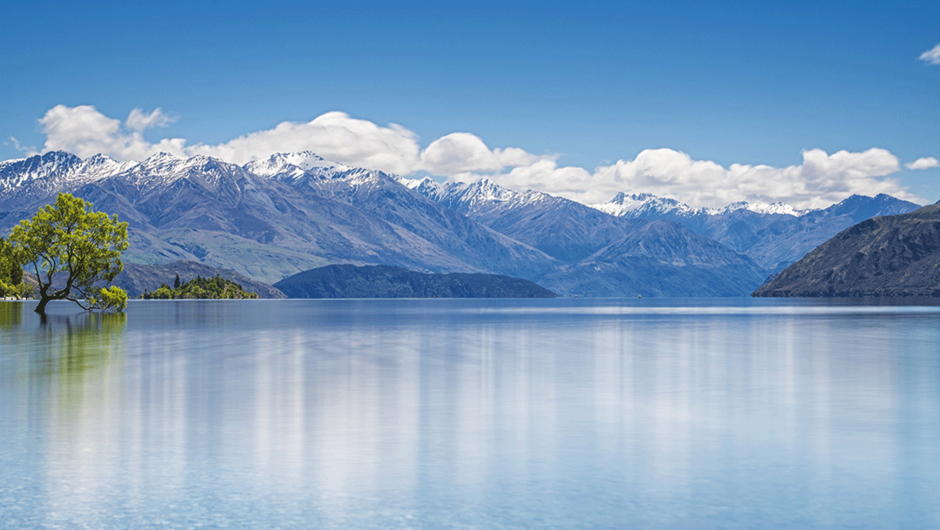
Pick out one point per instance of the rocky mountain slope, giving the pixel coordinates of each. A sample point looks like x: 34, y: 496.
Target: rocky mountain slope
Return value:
x: 348, y: 281
x: 659, y: 258
x: 895, y: 255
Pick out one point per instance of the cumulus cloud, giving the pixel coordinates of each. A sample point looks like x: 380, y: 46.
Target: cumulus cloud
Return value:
x: 84, y: 131
x: 334, y: 136
x: 923, y: 163
x: 821, y: 179
x: 460, y: 153
x: 931, y: 56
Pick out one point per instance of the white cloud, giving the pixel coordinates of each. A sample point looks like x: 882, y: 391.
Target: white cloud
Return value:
x: 86, y: 132
x: 820, y: 180
x: 459, y: 153
x: 138, y: 121
x: 931, y: 56
x: 923, y: 163
x: 334, y: 136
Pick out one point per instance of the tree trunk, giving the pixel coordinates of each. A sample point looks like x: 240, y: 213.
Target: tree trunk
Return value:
x: 41, y: 308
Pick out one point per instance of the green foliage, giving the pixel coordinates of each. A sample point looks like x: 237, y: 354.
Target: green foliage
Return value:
x: 162, y: 293
x: 68, y: 239
x: 217, y: 288
x: 112, y: 299
x: 11, y: 273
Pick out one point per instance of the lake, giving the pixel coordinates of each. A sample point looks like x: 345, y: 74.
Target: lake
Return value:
x: 560, y: 413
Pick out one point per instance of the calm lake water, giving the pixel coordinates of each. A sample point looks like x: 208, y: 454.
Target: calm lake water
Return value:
x: 731, y: 413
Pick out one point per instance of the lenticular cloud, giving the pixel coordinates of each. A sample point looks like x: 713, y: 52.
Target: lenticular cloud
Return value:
x: 821, y: 179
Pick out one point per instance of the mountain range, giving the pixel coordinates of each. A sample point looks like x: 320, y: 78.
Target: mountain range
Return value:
x: 272, y: 218
x: 773, y: 235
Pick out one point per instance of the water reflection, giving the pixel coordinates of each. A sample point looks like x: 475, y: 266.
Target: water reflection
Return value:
x: 55, y: 375
x: 11, y: 315
x: 80, y: 343
x: 425, y: 414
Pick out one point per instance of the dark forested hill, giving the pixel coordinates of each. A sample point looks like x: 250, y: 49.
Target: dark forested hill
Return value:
x: 895, y: 255
x: 348, y: 281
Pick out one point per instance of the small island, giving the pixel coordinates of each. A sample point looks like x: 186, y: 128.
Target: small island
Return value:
x: 200, y: 288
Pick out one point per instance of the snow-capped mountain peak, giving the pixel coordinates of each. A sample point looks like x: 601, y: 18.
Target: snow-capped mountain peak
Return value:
x: 425, y: 186
x: 161, y: 163
x: 294, y: 165
x: 636, y: 205
x: 161, y: 158
x: 487, y: 190
x: 46, y: 171
x: 646, y: 204
x: 778, y: 208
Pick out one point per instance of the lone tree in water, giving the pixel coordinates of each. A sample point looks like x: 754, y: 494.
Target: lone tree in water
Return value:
x: 69, y: 240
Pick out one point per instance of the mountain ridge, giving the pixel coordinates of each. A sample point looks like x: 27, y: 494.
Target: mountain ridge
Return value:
x: 886, y: 256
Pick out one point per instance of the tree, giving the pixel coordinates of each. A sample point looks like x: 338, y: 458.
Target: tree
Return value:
x: 68, y: 239
x: 176, y: 284
x: 11, y: 272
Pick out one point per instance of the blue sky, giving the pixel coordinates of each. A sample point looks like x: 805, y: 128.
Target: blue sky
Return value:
x: 583, y: 85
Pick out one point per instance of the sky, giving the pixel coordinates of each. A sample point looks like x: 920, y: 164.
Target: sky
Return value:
x: 709, y: 103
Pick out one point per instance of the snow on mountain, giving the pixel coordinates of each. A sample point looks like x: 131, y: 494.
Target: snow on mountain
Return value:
x: 471, y: 197
x: 39, y: 176
x: 636, y: 205
x: 53, y: 172
x: 48, y: 167
x: 292, y: 166
x: 101, y: 167
x: 475, y: 195
x: 646, y: 204
x: 425, y: 186
x: 778, y: 208
x: 164, y: 169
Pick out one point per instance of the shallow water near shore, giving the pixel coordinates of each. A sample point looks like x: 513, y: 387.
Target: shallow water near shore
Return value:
x: 559, y: 413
